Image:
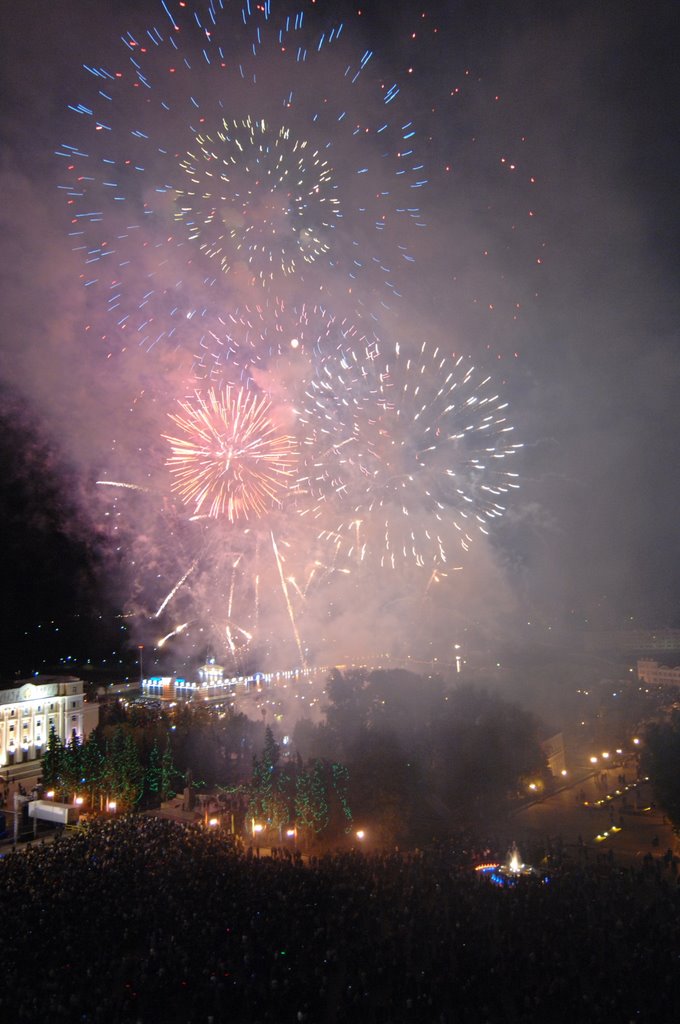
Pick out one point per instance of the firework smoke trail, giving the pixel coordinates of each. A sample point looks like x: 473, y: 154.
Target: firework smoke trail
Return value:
x: 239, y: 629
x: 121, y: 484
x: 293, y: 582
x: 230, y: 603
x: 232, y: 213
x: 180, y: 583
x: 174, y: 632
x: 200, y: 164
x: 230, y: 461
x: 284, y: 588
x: 257, y: 581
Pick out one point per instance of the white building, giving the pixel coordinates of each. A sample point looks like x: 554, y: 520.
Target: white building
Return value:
x: 29, y: 711
x: 633, y: 641
x: 553, y: 748
x: 211, y: 674
x: 653, y: 674
x: 211, y: 684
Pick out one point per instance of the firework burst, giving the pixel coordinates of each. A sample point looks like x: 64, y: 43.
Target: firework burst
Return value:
x: 242, y: 186
x: 259, y: 195
x: 420, y: 454
x: 249, y: 142
x: 228, y: 458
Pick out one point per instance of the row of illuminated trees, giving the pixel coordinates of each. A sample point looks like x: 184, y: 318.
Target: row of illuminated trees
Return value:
x: 113, y: 773
x: 311, y: 797
x: 109, y: 773
x: 407, y: 757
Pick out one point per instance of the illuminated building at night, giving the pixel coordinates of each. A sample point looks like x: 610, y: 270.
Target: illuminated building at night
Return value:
x: 211, y: 683
x: 633, y: 641
x: 553, y: 748
x: 30, y: 710
x: 653, y: 674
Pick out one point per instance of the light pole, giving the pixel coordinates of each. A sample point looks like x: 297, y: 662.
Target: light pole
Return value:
x: 141, y: 666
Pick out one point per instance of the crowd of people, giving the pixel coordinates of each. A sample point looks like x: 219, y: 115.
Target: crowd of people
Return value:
x: 143, y: 920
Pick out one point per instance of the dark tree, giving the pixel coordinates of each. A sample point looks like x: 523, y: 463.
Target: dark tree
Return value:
x: 347, y: 711
x: 72, y: 766
x: 311, y: 799
x: 313, y: 741
x: 270, y: 789
x: 154, y: 777
x: 92, y: 763
x: 123, y: 772
x: 660, y: 760
x: 383, y: 783
x: 168, y: 775
x: 52, y: 762
x: 322, y: 806
x: 482, y: 748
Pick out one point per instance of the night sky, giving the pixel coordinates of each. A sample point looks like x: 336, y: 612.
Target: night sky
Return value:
x: 549, y: 257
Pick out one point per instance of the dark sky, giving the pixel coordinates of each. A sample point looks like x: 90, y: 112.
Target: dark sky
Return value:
x: 550, y: 137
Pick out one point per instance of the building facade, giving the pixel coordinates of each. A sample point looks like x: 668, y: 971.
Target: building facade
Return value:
x: 653, y: 674
x: 555, y: 755
x: 211, y: 684
x: 29, y: 711
x: 633, y: 641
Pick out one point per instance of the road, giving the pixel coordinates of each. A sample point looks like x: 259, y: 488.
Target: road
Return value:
x: 590, y: 812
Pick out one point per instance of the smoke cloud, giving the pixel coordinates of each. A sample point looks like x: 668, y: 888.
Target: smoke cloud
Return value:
x: 546, y: 260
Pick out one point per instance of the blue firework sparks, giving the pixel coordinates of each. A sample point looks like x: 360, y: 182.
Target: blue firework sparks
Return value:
x: 226, y: 149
